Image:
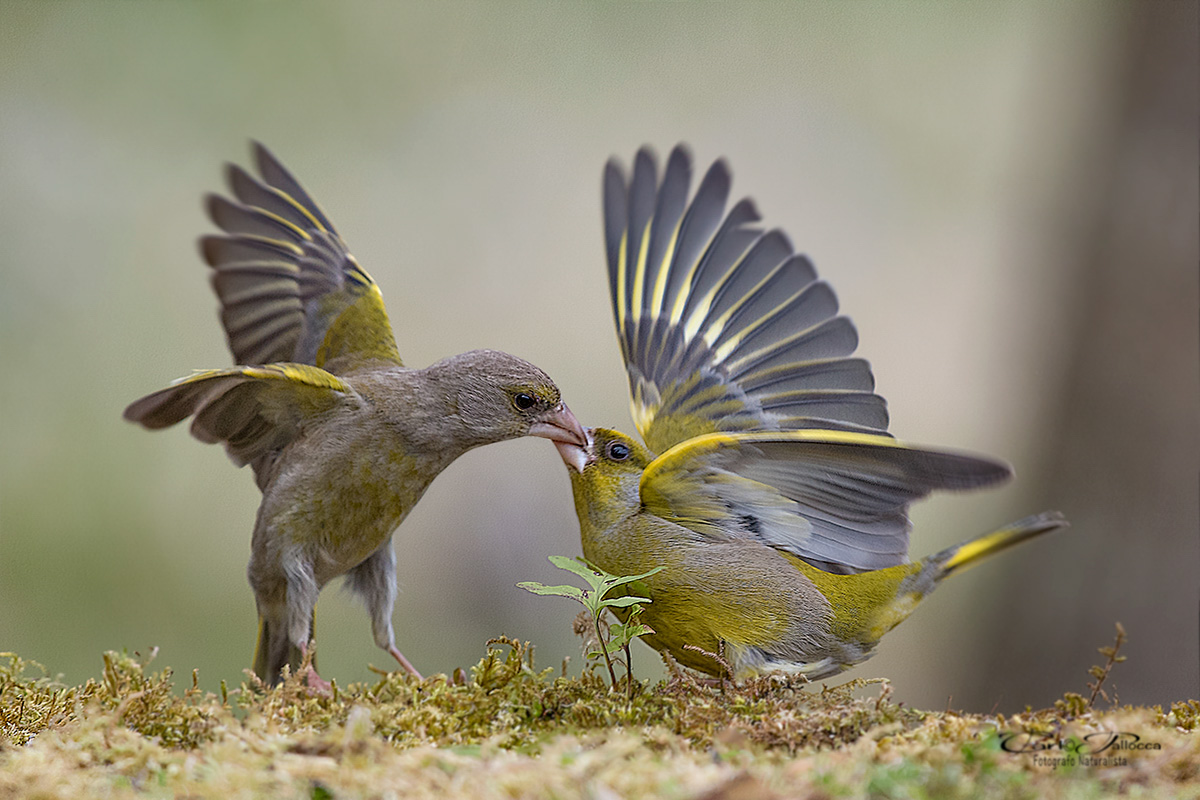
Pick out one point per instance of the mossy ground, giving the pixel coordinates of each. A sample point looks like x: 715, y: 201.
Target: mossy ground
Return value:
x: 508, y: 730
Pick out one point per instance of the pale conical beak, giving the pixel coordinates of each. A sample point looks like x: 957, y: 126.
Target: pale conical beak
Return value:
x: 574, y: 456
x: 560, y: 426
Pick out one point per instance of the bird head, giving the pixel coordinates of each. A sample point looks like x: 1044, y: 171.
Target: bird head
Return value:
x: 498, y: 396
x: 605, y: 474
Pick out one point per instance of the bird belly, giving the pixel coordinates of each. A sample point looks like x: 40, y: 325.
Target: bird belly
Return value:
x: 336, y: 513
x: 737, y: 596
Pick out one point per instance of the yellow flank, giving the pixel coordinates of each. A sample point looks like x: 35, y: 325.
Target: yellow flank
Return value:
x: 892, y: 614
x: 865, y: 605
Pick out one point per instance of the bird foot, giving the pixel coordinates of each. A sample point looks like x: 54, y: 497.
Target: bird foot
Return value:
x: 316, y: 685
x: 718, y: 656
x: 680, y: 677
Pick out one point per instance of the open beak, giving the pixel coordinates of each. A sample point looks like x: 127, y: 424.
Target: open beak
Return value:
x: 560, y: 427
x: 575, y: 456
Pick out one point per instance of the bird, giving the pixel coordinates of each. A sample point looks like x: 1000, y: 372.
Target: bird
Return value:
x: 769, y: 492
x: 343, y: 438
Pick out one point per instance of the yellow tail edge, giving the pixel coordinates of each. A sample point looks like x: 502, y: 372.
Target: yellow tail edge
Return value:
x: 267, y: 666
x: 970, y: 553
x: 260, y: 651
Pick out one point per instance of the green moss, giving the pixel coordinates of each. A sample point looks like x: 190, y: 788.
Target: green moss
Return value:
x: 510, y: 729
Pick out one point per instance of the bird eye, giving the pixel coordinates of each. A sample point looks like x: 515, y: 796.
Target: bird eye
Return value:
x: 523, y: 401
x: 618, y: 451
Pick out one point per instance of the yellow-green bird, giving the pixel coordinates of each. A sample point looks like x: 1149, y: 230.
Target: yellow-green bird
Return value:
x: 770, y: 493
x: 342, y: 437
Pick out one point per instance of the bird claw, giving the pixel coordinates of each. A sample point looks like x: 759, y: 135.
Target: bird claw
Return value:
x: 316, y: 685
x: 404, y: 663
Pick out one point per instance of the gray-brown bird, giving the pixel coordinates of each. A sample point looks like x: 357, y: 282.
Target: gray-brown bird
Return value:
x: 343, y: 438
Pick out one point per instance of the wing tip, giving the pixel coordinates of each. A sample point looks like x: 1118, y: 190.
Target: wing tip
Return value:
x: 264, y: 159
x: 207, y: 245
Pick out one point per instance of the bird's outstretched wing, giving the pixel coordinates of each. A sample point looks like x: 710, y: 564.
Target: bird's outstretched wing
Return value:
x: 289, y: 288
x: 254, y: 411
x: 722, y: 326
x: 837, y: 499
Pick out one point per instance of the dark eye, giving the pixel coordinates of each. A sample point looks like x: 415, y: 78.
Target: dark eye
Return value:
x: 618, y: 451
x: 523, y: 401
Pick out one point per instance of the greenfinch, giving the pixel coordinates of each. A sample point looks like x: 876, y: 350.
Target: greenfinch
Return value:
x: 342, y: 437
x: 770, y: 494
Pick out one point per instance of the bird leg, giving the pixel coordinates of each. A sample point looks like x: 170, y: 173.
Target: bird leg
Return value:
x: 719, y: 657
x: 409, y: 668
x: 679, y: 675
x: 374, y: 580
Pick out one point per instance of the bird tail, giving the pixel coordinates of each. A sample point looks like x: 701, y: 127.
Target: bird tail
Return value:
x: 921, y: 578
x: 273, y: 649
x: 968, y: 554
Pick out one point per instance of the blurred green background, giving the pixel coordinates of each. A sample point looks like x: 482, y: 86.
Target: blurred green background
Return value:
x: 1003, y: 194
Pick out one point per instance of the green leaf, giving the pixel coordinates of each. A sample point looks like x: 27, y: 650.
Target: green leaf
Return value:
x: 574, y: 592
x: 614, y: 581
x: 621, y: 635
x: 579, y: 568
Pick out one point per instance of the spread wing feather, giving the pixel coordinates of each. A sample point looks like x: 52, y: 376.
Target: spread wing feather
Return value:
x: 722, y: 326
x: 289, y: 288
x: 254, y: 411
x: 835, y: 499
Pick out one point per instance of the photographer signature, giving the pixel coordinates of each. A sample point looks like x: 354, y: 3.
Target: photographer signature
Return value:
x: 1091, y: 744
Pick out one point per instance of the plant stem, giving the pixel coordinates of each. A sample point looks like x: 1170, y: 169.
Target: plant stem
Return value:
x: 603, y: 649
x: 628, y: 673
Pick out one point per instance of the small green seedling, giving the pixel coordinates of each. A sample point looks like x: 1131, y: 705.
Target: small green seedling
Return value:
x: 595, y: 600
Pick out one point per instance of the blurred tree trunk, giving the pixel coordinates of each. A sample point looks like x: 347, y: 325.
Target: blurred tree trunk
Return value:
x: 1126, y: 438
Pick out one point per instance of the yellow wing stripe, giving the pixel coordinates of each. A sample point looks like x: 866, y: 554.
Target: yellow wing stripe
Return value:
x: 621, y: 262
x: 735, y: 366
x: 711, y: 442
x: 316, y: 223
x: 293, y: 373
x: 697, y: 318
x: 660, y: 283
x: 639, y: 275
x: 293, y: 227
x: 291, y: 247
x: 736, y: 339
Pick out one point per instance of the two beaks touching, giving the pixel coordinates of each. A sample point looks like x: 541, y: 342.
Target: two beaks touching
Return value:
x: 769, y: 490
